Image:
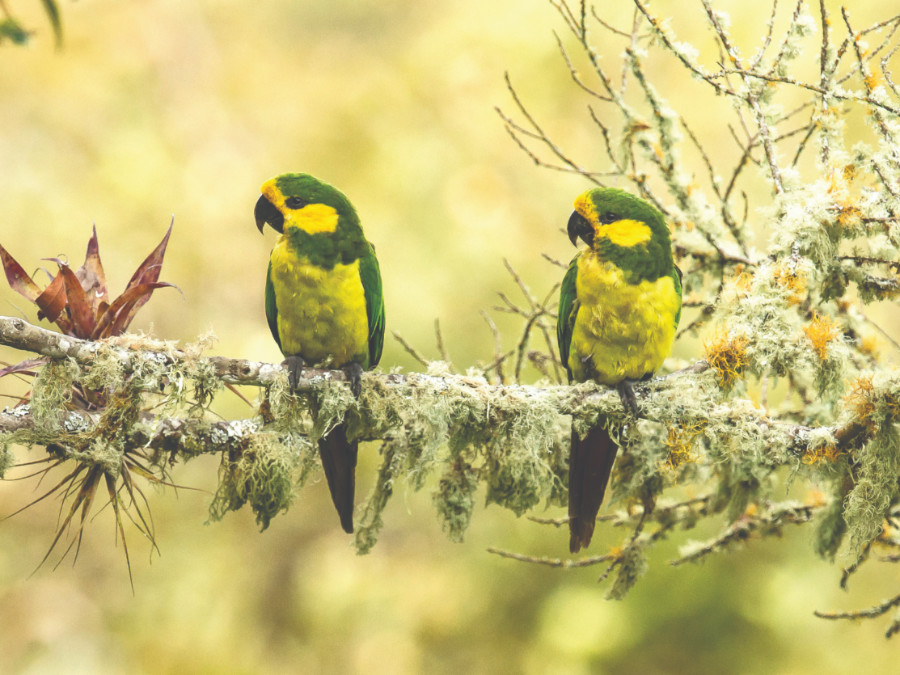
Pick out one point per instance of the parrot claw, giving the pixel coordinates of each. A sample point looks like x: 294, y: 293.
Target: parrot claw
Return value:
x: 354, y: 373
x: 295, y: 366
x: 626, y: 393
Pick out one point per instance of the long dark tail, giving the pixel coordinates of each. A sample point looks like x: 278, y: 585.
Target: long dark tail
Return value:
x: 590, y: 462
x: 339, y: 461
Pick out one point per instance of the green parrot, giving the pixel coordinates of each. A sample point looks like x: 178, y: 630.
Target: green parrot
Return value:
x: 324, y: 301
x: 619, y: 306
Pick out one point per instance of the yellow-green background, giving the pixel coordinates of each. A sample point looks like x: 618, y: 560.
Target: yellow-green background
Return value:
x: 185, y: 108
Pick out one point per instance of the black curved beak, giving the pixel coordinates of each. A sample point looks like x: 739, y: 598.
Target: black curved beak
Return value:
x: 579, y: 227
x: 265, y: 212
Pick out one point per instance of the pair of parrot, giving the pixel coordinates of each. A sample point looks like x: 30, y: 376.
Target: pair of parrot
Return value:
x: 619, y: 306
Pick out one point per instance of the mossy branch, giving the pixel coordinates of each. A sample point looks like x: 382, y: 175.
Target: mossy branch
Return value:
x: 512, y: 439
x: 586, y: 400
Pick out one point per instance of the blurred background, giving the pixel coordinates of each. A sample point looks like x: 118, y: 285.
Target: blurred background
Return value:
x: 155, y: 109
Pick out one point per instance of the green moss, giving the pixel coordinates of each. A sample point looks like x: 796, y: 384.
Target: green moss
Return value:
x: 329, y: 407
x: 100, y: 453
x: 432, y: 420
x: 640, y: 462
x: 558, y: 464
x: 370, y: 522
x: 517, y: 452
x: 205, y: 384
x: 290, y: 412
x: 830, y: 528
x: 512, y: 440
x: 743, y: 492
x: 632, y: 566
x: 455, y: 498
x: 106, y: 372
x: 876, y: 488
x: 123, y: 408
x: 834, y: 283
x: 152, y: 372
x: 261, y: 476
x: 52, y: 393
x: 831, y: 375
x: 7, y: 458
x: 308, y: 462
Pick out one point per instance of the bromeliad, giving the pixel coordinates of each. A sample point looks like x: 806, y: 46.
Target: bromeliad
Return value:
x: 324, y: 301
x: 619, y: 306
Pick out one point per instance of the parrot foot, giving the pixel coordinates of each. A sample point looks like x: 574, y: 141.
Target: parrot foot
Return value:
x: 354, y: 373
x: 295, y: 365
x: 626, y: 393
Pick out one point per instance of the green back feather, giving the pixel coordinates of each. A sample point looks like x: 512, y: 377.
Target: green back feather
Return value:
x: 676, y: 278
x: 370, y: 275
x: 568, y: 308
x: 271, y: 307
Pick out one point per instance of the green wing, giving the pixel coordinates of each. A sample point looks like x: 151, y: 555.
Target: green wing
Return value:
x: 568, y: 307
x: 370, y: 275
x: 676, y: 277
x: 271, y: 307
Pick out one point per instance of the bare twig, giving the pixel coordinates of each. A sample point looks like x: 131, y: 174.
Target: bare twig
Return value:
x: 553, y: 562
x: 442, y: 350
x: 409, y: 349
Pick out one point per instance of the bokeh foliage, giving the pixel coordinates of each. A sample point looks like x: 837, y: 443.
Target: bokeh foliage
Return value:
x: 297, y: 593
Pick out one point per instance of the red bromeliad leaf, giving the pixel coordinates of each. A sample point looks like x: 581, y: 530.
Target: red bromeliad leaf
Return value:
x: 18, y: 278
x: 115, y: 318
x: 148, y: 271
x: 92, y: 277
x: 78, y: 302
x: 26, y: 367
x: 83, y: 319
x: 119, y: 314
x: 52, y: 302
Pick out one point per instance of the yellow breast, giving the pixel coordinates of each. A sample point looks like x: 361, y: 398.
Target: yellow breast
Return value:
x: 321, y: 312
x: 622, y: 330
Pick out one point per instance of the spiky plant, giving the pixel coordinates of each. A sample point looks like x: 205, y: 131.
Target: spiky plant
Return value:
x: 78, y: 302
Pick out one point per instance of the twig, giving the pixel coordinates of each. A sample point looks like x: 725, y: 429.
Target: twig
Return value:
x: 412, y: 351
x: 499, y: 355
x: 442, y: 350
x: 746, y: 526
x: 869, y: 613
x: 552, y: 562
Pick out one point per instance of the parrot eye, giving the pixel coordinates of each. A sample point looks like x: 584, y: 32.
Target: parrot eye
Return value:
x: 608, y: 217
x: 295, y: 203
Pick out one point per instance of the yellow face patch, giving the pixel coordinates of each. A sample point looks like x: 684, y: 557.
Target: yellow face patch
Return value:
x: 626, y: 233
x: 313, y: 218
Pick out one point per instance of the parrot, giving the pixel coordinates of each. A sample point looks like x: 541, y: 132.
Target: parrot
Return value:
x: 324, y: 302
x: 619, y: 307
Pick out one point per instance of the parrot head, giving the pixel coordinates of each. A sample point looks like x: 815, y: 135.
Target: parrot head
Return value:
x: 605, y: 216
x: 298, y: 200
